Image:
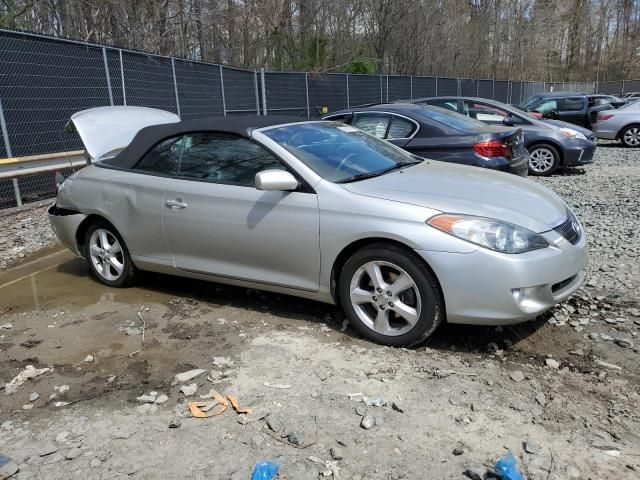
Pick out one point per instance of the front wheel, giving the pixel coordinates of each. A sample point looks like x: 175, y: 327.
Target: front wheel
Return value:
x: 107, y: 256
x: 630, y: 137
x: 390, y: 296
x: 543, y: 159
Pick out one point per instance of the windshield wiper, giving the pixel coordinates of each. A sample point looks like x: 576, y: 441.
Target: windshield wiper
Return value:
x: 365, y: 175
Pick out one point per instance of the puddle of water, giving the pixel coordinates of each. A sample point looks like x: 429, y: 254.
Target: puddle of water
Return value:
x: 62, y: 281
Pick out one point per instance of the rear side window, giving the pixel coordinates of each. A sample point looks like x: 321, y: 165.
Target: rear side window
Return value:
x: 400, y: 128
x: 373, y: 123
x: 163, y: 158
x: 224, y: 158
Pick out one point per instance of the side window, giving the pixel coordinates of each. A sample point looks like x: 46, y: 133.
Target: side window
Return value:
x: 373, y: 123
x: 400, y: 128
x: 571, y: 104
x: 224, y: 158
x: 485, y: 113
x: 443, y: 103
x: 163, y: 158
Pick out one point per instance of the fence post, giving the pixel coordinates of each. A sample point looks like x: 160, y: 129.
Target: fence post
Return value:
x: 459, y: 88
x: 622, y: 87
x: 436, y: 87
x: 381, y: 98
x: 348, y: 95
x: 493, y: 89
x: 411, y: 86
x: 306, y: 86
x: 387, y: 88
x: 106, y: 72
x: 264, y: 91
x: 7, y: 147
x: 224, y: 100
x: 124, y: 90
x: 175, y: 86
x: 477, y: 88
x: 255, y: 84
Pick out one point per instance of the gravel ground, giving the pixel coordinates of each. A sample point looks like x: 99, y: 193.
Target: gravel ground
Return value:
x: 23, y: 232
x: 561, y: 393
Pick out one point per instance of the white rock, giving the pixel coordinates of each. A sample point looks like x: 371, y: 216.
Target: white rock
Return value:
x: 146, y: 398
x: 62, y: 389
x: 161, y: 399
x: 551, y: 363
x: 190, y: 375
x: 62, y: 436
x: 88, y: 358
x: 33, y: 397
x: 189, y: 390
x: 28, y: 406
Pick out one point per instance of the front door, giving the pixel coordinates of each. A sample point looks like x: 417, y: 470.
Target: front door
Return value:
x: 216, y: 222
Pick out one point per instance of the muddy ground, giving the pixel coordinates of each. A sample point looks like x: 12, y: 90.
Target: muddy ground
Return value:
x: 453, y: 405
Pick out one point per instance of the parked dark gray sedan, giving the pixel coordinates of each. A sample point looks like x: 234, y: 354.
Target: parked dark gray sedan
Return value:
x: 439, y: 134
x: 551, y: 143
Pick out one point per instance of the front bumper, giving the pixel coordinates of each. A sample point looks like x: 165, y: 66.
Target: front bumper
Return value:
x: 579, y: 152
x: 65, y: 224
x: 490, y: 288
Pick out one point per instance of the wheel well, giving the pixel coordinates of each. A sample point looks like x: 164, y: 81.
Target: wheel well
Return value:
x: 550, y: 143
x: 624, y: 128
x: 84, y: 226
x: 350, y: 249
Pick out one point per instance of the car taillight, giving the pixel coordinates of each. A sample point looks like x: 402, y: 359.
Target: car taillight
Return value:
x: 604, y: 116
x: 492, y: 148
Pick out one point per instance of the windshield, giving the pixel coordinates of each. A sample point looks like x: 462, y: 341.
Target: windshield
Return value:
x: 529, y: 104
x: 451, y: 119
x: 340, y: 153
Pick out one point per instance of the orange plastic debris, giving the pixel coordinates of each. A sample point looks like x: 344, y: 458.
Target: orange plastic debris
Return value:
x: 236, y: 407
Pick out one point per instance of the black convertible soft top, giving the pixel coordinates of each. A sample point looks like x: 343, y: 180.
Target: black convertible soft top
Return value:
x: 146, y: 138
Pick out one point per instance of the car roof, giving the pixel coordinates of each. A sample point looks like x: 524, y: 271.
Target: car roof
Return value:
x: 401, y: 108
x: 558, y: 94
x: 241, y: 125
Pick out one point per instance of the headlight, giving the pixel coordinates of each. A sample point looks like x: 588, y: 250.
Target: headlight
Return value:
x: 571, y: 133
x: 492, y: 234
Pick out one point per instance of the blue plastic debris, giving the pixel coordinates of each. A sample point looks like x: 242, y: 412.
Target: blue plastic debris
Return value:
x: 508, y: 468
x: 265, y: 470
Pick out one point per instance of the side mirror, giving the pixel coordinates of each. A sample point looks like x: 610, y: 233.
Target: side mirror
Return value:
x: 270, y: 180
x: 509, y: 121
x: 552, y: 115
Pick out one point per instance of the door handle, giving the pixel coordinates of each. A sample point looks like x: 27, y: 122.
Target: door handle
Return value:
x: 175, y: 204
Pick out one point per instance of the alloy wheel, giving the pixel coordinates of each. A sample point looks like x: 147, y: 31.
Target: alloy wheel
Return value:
x: 541, y: 160
x: 106, y: 255
x: 385, y: 298
x: 632, y: 136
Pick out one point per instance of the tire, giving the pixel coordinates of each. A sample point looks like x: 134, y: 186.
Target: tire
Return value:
x: 630, y: 136
x: 103, y: 263
x: 420, y: 300
x: 544, y: 159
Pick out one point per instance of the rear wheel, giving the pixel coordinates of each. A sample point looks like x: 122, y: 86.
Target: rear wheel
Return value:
x: 544, y: 159
x: 390, y: 296
x: 107, y: 256
x: 630, y: 136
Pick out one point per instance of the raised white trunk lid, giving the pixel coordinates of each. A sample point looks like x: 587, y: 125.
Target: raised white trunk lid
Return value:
x: 110, y: 129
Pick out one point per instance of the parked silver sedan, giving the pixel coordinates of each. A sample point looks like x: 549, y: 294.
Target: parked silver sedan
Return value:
x: 621, y: 124
x: 319, y: 210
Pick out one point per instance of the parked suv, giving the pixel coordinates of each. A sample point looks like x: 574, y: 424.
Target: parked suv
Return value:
x: 576, y: 108
x: 552, y: 144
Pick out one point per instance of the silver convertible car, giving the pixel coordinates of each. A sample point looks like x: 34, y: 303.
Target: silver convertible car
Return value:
x: 320, y: 210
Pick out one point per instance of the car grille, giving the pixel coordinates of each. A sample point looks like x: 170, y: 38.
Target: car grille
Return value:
x: 570, y: 228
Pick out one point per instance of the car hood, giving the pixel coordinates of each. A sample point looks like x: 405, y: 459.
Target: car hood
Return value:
x: 468, y: 190
x: 109, y: 129
x: 560, y: 124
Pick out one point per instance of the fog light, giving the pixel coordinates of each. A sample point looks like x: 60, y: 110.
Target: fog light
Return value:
x: 526, y: 298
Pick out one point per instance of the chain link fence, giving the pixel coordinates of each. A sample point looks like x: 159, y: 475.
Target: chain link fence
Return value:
x: 44, y: 80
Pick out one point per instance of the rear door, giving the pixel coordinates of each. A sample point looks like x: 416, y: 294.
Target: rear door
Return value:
x: 216, y: 221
